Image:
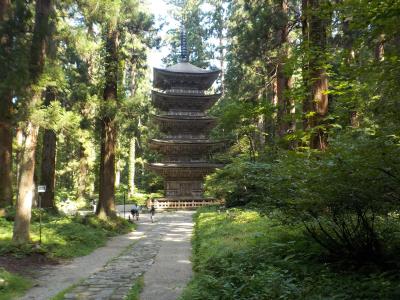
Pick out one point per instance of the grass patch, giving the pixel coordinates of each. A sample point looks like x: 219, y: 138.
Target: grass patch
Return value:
x: 134, y: 293
x: 12, y: 285
x: 64, y: 236
x: 240, y: 254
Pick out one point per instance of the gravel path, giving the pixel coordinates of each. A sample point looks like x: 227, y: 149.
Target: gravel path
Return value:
x: 161, y: 248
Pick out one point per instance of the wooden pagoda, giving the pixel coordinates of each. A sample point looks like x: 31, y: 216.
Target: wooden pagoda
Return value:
x: 180, y: 95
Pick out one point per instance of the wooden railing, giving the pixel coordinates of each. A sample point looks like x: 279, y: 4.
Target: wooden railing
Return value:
x: 182, y: 204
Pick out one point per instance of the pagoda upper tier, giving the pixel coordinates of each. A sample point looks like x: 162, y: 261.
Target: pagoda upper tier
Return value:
x: 183, y: 171
x: 195, y: 102
x: 193, y: 147
x: 184, y: 76
x: 177, y: 125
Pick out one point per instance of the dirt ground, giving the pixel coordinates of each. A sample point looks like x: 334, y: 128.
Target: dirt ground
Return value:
x: 26, y: 266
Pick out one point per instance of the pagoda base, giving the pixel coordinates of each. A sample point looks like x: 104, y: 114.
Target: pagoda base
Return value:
x: 182, y: 202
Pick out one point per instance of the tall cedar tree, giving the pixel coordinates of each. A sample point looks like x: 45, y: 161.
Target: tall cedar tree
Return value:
x: 48, y: 165
x: 315, y: 106
x: 5, y: 108
x: 106, y: 207
x: 282, y: 78
x: 43, y: 8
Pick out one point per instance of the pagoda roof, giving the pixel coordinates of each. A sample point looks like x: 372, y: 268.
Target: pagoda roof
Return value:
x: 183, y: 170
x: 183, y: 102
x: 184, y: 123
x: 184, y: 75
x: 185, y: 147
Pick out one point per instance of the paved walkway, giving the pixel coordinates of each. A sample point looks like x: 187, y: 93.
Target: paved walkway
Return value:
x: 172, y: 268
x: 159, y: 250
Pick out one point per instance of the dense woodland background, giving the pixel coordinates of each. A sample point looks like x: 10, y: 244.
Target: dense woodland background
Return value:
x: 310, y: 105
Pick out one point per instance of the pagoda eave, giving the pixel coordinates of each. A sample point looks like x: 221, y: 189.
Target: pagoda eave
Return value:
x: 184, y: 102
x: 183, y: 170
x: 185, y: 147
x: 184, y: 124
x: 184, y: 77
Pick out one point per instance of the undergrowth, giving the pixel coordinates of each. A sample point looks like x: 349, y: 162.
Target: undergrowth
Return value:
x: 12, y: 285
x: 239, y: 254
x: 63, y: 236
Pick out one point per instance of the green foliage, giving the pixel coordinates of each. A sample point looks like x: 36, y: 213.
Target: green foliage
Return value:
x: 239, y: 254
x: 12, y: 285
x: 64, y: 236
x: 347, y: 197
x: 239, y: 183
x: 134, y: 293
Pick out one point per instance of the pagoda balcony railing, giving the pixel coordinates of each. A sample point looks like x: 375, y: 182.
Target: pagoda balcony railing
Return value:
x: 174, y: 112
x: 185, y: 92
x: 185, y: 136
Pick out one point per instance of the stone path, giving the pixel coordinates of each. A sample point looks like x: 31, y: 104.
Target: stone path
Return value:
x: 161, y: 248
x: 172, y: 269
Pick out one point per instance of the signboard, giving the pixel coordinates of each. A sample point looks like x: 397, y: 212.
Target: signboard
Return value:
x: 41, y: 188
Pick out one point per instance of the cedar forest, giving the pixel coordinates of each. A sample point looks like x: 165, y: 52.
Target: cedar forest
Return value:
x: 310, y: 108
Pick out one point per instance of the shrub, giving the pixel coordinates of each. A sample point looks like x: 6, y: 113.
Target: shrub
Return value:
x: 347, y: 197
x: 239, y: 183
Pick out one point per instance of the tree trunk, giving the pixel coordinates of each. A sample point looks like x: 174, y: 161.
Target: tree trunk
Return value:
x: 132, y: 162
x: 83, y: 173
x: 379, y: 48
x: 6, y: 136
x: 117, y: 173
x: 20, y: 141
x: 26, y: 183
x: 106, y: 206
x: 48, y: 173
x: 348, y: 41
x: 315, y: 105
x: 26, y: 188
x: 48, y: 167
x: 284, y: 120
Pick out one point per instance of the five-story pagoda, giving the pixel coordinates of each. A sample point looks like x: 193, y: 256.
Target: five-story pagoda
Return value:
x: 180, y: 94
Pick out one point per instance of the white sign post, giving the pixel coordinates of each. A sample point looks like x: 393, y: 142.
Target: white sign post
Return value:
x: 40, y: 189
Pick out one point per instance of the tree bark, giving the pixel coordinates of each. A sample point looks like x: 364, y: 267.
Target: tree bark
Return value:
x: 26, y: 188
x: 48, y: 167
x: 315, y: 105
x: 26, y: 183
x: 117, y: 173
x: 83, y: 173
x: 6, y: 134
x: 6, y: 139
x: 285, y: 104
x: 348, y: 41
x: 132, y: 169
x: 106, y: 206
x: 49, y: 151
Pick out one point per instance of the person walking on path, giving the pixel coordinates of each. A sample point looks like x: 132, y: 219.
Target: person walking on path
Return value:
x: 135, y: 212
x: 152, y: 212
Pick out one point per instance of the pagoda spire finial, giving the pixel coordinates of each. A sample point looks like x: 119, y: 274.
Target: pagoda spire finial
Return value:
x: 184, y: 49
